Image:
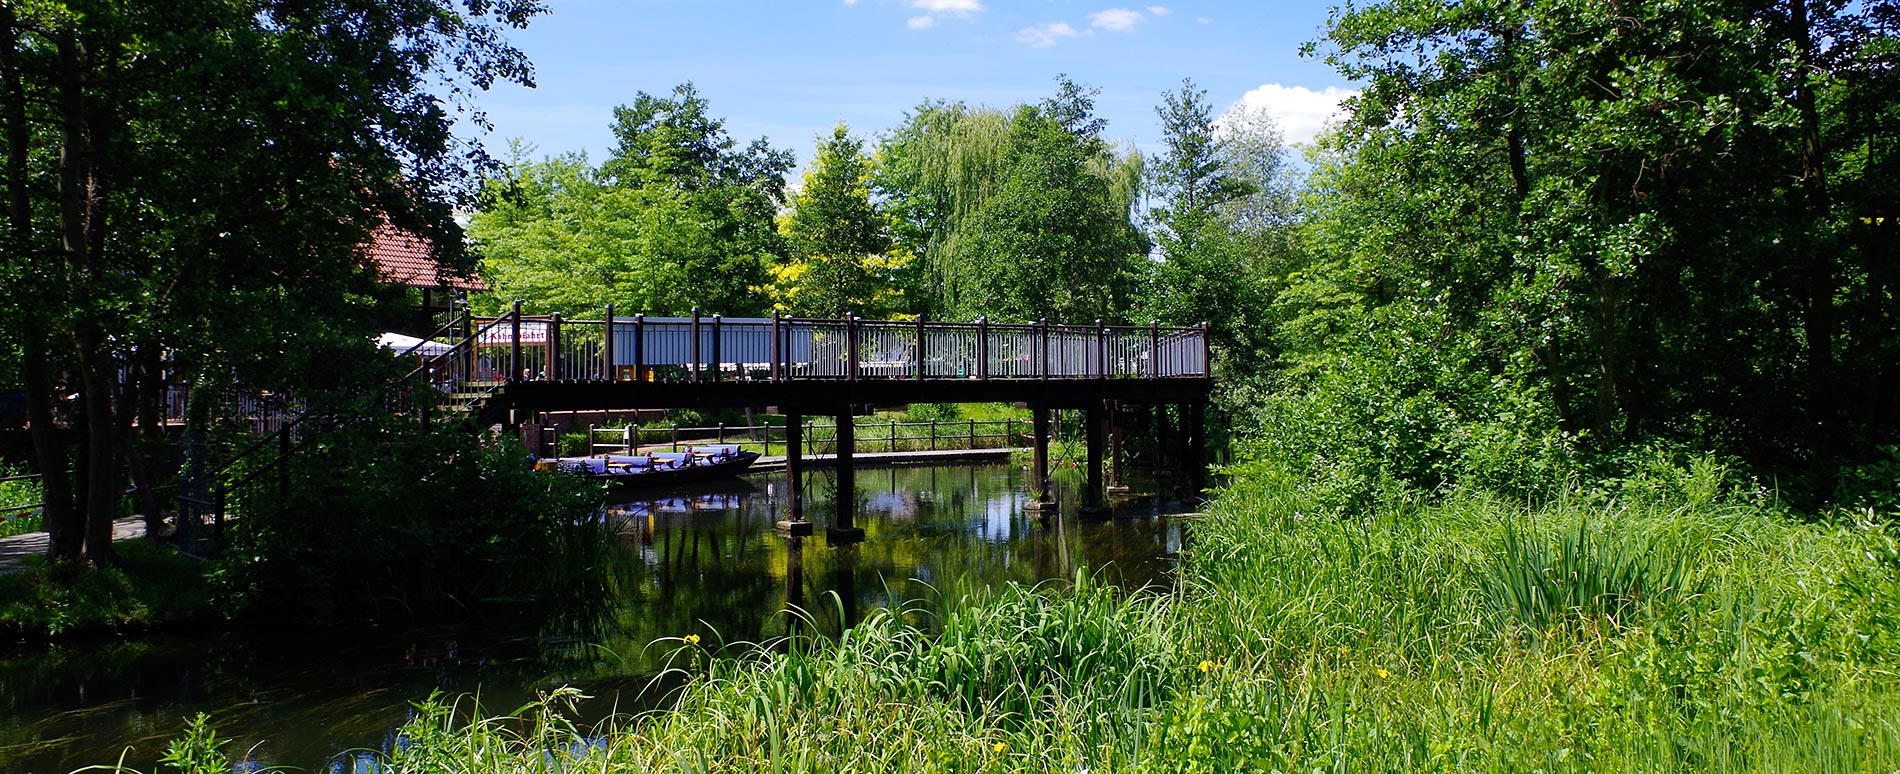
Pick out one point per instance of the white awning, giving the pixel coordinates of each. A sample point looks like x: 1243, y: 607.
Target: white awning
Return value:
x: 399, y: 344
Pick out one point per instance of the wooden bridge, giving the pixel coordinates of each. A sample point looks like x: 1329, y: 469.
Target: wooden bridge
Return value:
x: 513, y: 368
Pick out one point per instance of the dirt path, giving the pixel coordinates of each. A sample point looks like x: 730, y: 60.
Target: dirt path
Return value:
x: 16, y: 549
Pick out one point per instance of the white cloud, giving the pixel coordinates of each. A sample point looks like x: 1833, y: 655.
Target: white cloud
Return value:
x: 1158, y: 10
x: 1301, y: 112
x: 1117, y: 19
x: 921, y: 22
x: 850, y: 2
x: 1203, y: 20
x: 956, y: 7
x: 1045, y: 35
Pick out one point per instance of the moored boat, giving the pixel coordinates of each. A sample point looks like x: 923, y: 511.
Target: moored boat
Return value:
x: 701, y: 463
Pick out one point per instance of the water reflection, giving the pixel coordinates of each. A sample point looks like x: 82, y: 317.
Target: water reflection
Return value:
x: 705, y: 562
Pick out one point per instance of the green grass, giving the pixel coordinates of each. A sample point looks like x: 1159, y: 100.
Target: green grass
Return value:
x: 1669, y: 622
x: 14, y: 493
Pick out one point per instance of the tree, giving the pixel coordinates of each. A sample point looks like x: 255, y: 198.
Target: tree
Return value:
x: 932, y: 173
x: 678, y: 217
x: 843, y: 255
x: 1623, y: 216
x: 155, y: 224
x: 1054, y: 240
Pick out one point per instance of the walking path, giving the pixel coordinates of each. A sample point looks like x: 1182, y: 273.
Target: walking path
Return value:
x: 15, y: 550
x: 871, y: 458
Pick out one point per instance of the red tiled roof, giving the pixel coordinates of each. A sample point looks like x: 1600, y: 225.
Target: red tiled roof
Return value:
x: 402, y: 258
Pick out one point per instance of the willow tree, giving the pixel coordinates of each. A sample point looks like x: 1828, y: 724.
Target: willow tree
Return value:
x: 1019, y: 215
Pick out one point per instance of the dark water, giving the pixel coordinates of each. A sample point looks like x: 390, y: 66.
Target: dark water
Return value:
x: 707, y: 563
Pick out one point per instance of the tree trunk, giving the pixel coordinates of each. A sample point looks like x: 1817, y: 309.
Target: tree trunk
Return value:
x: 81, y: 198
x: 1818, y: 270
x: 36, y: 370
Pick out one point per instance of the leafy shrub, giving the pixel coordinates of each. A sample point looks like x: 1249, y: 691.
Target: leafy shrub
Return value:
x: 413, y: 523
x: 932, y: 412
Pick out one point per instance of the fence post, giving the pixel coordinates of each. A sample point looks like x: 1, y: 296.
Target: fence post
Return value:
x: 607, y: 371
x: 893, y: 438
x: 1101, y: 350
x: 982, y: 349
x: 676, y: 436
x: 465, y: 353
x: 933, y: 435
x: 720, y: 434
x: 217, y: 517
x: 768, y: 429
x: 639, y: 347
x: 1042, y: 364
x: 718, y: 362
x: 920, y: 347
x: 554, y: 347
x: 1207, y: 357
x: 694, y: 332
x: 775, y: 367
x: 1154, y: 349
x: 514, y: 350
x: 851, y: 346
x: 973, y: 435
x: 283, y: 463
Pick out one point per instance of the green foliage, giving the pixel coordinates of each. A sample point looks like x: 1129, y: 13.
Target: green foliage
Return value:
x: 1054, y: 239
x: 21, y: 492
x: 1015, y: 215
x: 432, y: 524
x: 199, y: 751
x: 1582, y: 574
x: 152, y: 586
x: 1593, y: 227
x: 932, y: 412
x: 678, y: 217
x: 844, y: 259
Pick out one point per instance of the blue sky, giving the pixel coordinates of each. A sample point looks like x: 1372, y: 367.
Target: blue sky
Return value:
x: 791, y: 69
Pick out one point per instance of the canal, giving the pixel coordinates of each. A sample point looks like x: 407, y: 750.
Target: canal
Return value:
x: 705, y: 562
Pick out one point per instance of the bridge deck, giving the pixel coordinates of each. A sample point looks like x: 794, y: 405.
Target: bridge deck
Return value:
x: 537, y: 364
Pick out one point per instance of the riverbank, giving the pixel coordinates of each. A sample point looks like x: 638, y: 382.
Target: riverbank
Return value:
x: 1675, y: 620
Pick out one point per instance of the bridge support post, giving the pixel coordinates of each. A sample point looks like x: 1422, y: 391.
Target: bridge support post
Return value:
x: 794, y: 524
x: 1194, y: 450
x: 1115, y: 483
x: 842, y: 529
x: 1039, y: 470
x: 1093, y: 505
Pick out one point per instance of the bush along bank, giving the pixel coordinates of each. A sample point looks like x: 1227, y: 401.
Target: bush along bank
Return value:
x: 433, y: 525
x: 1672, y: 622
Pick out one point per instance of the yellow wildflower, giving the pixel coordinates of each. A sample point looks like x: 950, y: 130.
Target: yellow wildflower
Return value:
x: 1383, y: 673
x: 1206, y: 665
x: 1000, y: 748
x: 692, y: 639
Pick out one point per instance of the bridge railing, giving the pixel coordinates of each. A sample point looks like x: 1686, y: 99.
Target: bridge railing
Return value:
x: 712, y: 348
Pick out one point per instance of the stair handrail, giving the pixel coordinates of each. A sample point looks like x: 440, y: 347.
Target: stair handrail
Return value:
x: 287, y: 446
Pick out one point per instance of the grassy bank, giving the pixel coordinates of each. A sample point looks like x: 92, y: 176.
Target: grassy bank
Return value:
x: 1673, y: 620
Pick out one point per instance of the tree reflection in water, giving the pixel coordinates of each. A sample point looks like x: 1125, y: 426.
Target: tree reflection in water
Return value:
x: 707, y: 562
